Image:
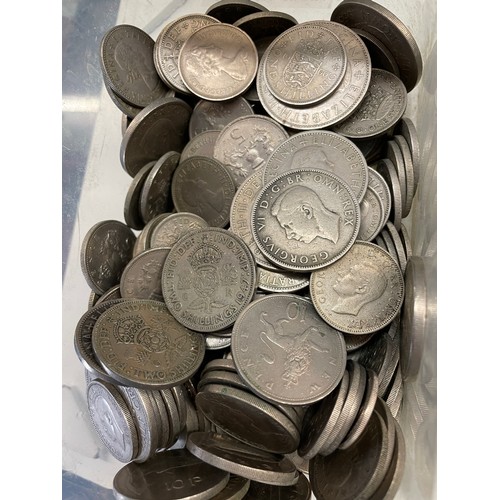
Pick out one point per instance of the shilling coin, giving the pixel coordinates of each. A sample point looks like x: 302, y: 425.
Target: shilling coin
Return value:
x: 360, y: 293
x: 127, y: 64
x: 387, y: 170
x: 235, y: 489
x: 379, y: 21
x: 353, y: 342
x: 265, y: 24
x: 394, y: 154
x: 111, y: 294
x: 372, y: 148
x: 155, y: 196
x: 131, y: 212
x: 239, y: 458
x: 229, y: 11
x: 281, y: 282
x: 93, y: 298
x: 208, y: 279
x: 159, y: 128
x: 205, y: 187
x: 162, y: 420
x: 173, y: 474
x: 305, y: 219
x: 174, y: 418
x: 218, y: 62
x: 409, y: 171
x: 381, y: 108
x: 378, y: 184
x: 222, y: 377
x: 143, y: 241
x: 126, y: 108
x: 304, y: 64
x: 406, y: 240
x: 169, y: 230
x: 245, y: 144
x: 168, y: 45
x: 398, y: 244
x: 320, y: 149
x: 141, y: 278
x: 372, y: 213
x: 141, y: 344
x: 294, y: 357
x: 389, y: 244
x: 214, y: 342
x: 340, y: 104
x: 407, y: 129
x: 105, y: 251
x: 201, y: 144
x: 299, y: 491
x: 211, y: 115
x: 112, y: 420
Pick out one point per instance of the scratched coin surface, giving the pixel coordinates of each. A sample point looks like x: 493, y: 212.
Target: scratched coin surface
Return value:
x: 305, y: 219
x: 360, y: 293
x: 285, y: 352
x: 208, y: 278
x: 142, y: 345
x: 218, y: 62
x: 304, y: 64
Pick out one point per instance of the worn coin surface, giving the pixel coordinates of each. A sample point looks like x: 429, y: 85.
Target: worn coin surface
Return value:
x: 201, y: 144
x: 285, y: 352
x: 204, y: 187
x: 360, y: 293
x: 169, y: 230
x: 141, y: 344
x: 105, y: 251
x: 127, y: 109
x: 208, y: 279
x: 111, y: 294
x: 305, y: 219
x: 304, y: 64
x: 281, y: 282
x: 218, y: 62
x: 378, y: 184
x: 131, y: 210
x: 372, y: 213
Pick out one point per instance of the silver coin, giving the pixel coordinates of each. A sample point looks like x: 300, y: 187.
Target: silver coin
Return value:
x: 407, y: 129
x: 127, y: 64
x: 324, y: 150
x: 389, y: 243
x: 218, y: 62
x: 353, y: 342
x: 372, y: 213
x: 141, y: 344
x: 219, y: 364
x: 222, y: 377
x: 131, y: 211
x: 175, y: 423
x: 106, y: 250
x: 214, y: 342
x: 305, y: 219
x: 127, y: 109
x: 170, y: 229
x: 353, y: 308
x: 394, y: 392
x: 112, y: 420
x: 334, y: 108
x: 210, y: 115
x: 111, y: 294
x: 180, y: 395
x: 281, y: 282
x: 245, y: 144
x: 394, y: 154
x: 201, y: 144
x: 409, y: 171
x: 387, y: 170
x: 372, y: 148
x: 377, y: 182
x: 141, y: 278
x: 236, y: 489
x: 155, y: 198
x: 229, y: 11
x: 405, y: 238
x: 143, y: 241
x: 299, y: 491
x: 159, y: 128
x: 304, y: 64
x: 381, y: 108
x: 205, y: 187
x: 161, y: 419
x: 93, y: 297
x: 294, y: 357
x: 398, y: 244
x: 208, y: 279
x: 168, y: 45
x: 239, y: 458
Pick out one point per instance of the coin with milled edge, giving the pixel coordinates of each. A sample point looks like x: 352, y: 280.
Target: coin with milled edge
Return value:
x: 209, y: 277
x: 407, y: 129
x: 201, y: 144
x: 143, y: 241
x: 299, y: 491
x: 111, y: 294
x: 378, y: 184
x: 285, y: 352
x: 169, y: 230
x: 131, y: 212
x: 398, y: 244
x: 394, y: 154
x: 281, y: 282
x: 372, y: 213
x: 127, y: 109
x: 141, y: 344
x: 305, y: 219
x: 409, y: 171
x: 387, y: 170
x: 353, y: 342
x: 360, y: 293
x: 236, y: 489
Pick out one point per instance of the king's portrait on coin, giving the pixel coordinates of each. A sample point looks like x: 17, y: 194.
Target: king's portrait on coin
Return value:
x: 363, y: 283
x: 304, y: 216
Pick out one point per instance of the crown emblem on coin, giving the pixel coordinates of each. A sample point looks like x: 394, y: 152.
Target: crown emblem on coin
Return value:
x: 205, y: 255
x: 126, y: 329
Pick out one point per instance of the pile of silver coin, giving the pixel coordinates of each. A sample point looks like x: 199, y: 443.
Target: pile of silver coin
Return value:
x: 245, y: 321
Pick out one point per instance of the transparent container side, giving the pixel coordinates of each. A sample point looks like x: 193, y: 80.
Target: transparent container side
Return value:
x: 95, y: 186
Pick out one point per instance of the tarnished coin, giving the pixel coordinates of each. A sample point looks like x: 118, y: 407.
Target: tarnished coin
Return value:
x: 340, y: 104
x: 245, y: 144
x: 112, y: 420
x: 141, y: 344
x: 174, y: 474
x: 265, y: 24
x: 229, y: 11
x: 205, y: 187
x: 168, y: 45
x: 218, y: 62
x: 387, y: 170
x: 127, y: 64
x: 111, y: 294
x: 299, y: 491
x: 293, y: 356
x: 379, y: 21
x: 159, y: 128
x: 239, y: 458
x: 381, y: 108
x: 360, y: 293
x: 372, y: 213
x: 169, y: 230
x: 201, y: 144
x: 305, y: 219
x: 281, y: 282
x: 235, y: 489
x: 155, y: 196
x: 127, y: 109
x: 106, y: 250
x: 208, y: 279
x: 372, y: 148
x: 324, y: 150
x: 211, y: 115
x: 131, y: 211
x: 378, y: 184
x: 141, y: 278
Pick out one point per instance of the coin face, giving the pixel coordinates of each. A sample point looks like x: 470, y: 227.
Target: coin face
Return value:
x: 143, y: 346
x: 285, y: 352
x: 202, y: 144
x: 208, y: 278
x: 218, y: 62
x: 360, y: 293
x: 305, y: 219
x: 277, y: 281
x: 372, y: 213
x: 172, y: 228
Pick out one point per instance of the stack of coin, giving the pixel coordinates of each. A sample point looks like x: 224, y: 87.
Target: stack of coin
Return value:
x: 248, y: 309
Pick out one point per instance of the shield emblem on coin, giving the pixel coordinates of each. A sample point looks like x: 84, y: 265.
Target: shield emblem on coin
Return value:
x: 303, y: 65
